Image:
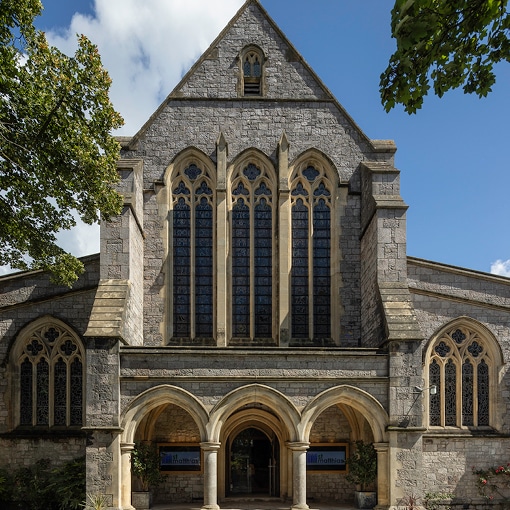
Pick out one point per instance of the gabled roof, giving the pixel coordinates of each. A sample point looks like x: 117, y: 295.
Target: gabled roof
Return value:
x: 377, y: 145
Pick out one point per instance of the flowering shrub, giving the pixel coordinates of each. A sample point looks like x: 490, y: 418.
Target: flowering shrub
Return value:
x: 494, y: 482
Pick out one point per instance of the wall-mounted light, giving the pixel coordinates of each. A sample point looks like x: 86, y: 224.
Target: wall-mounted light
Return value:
x: 432, y: 389
x: 418, y: 390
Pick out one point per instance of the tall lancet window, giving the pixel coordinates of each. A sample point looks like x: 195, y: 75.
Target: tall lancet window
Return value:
x: 311, y: 255
x: 193, y: 254
x: 460, y: 369
x: 252, y: 230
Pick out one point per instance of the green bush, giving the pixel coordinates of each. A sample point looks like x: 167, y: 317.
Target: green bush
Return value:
x: 39, y: 487
x: 363, y: 465
x: 69, y: 484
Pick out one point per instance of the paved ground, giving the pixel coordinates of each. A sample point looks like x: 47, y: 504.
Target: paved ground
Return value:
x: 262, y: 504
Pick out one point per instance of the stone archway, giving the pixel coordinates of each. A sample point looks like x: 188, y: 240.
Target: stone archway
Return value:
x: 367, y: 421
x: 140, y: 419
x: 262, y: 408
x: 268, y: 426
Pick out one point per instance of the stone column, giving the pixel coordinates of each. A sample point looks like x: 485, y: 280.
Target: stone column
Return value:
x: 383, y: 478
x: 299, y: 474
x: 210, y: 451
x: 125, y: 477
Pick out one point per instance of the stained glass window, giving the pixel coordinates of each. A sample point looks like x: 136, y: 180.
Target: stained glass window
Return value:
x: 321, y: 270
x: 26, y: 393
x: 311, y: 256
x: 435, y: 398
x: 483, y: 393
x: 182, y: 269
x: 241, y: 269
x: 76, y: 393
x: 459, y: 368
x: 263, y: 269
x: 299, y: 274
x: 467, y: 393
x: 204, y: 269
x: 193, y: 254
x: 60, y: 405
x: 51, y: 379
x: 252, y: 253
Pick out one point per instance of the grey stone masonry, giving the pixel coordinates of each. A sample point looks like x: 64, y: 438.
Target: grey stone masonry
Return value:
x: 108, y: 316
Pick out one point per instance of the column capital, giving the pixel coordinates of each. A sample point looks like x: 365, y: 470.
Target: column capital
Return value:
x: 298, y: 446
x: 127, y: 447
x: 381, y: 447
x: 210, y: 446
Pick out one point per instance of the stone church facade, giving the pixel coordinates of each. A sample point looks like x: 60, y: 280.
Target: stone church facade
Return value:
x: 253, y: 309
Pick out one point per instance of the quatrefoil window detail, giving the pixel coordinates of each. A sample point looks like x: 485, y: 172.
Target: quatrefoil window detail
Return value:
x: 251, y: 172
x: 458, y: 336
x: 193, y: 172
x: 475, y: 349
x: 68, y: 348
x: 34, y: 348
x: 51, y: 335
x: 442, y: 349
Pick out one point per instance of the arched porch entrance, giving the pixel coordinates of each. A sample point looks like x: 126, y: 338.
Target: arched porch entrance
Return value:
x: 338, y: 417
x: 253, y: 462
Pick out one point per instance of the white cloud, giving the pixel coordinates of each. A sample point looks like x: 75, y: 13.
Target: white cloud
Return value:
x: 501, y: 267
x: 147, y: 46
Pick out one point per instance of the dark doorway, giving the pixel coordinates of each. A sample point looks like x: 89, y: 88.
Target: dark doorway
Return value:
x: 253, y: 466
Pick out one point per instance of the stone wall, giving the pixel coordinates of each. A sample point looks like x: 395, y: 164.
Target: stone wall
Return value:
x: 24, y: 452
x: 212, y: 374
x: 448, y: 463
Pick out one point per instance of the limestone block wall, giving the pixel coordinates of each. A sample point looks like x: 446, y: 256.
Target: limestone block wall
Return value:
x: 331, y: 427
x: 211, y: 374
x: 285, y: 75
x: 24, y: 452
x: 122, y: 248
x: 372, y: 326
x: 448, y: 463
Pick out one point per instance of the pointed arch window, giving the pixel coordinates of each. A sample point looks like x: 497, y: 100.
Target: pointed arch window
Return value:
x: 193, y: 253
x: 252, y: 60
x: 311, y: 255
x: 50, y: 367
x: 252, y: 232
x: 460, y: 367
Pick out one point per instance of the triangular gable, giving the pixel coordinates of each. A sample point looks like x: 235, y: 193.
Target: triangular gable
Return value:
x: 296, y: 79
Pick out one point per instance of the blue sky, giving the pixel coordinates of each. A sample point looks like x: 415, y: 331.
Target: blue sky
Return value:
x: 453, y: 154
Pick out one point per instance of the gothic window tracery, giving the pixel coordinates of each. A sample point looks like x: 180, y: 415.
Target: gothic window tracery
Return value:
x: 252, y: 234
x: 311, y: 254
x: 50, y: 372
x: 459, y: 367
x: 193, y: 253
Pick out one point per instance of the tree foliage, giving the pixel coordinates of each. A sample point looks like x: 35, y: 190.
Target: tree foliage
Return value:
x: 445, y: 44
x: 56, y: 151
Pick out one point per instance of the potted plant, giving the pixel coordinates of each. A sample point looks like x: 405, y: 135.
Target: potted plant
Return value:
x: 145, y: 462
x: 363, y: 472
